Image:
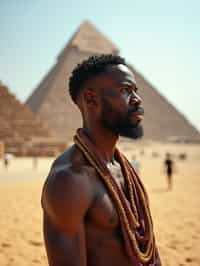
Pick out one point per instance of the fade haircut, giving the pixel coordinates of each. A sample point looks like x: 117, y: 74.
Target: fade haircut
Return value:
x: 89, y: 68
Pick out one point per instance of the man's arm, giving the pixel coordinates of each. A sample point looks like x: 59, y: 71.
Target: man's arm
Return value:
x: 66, y: 198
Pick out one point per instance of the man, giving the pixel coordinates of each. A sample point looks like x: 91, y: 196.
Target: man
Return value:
x: 93, y: 216
x: 169, y: 169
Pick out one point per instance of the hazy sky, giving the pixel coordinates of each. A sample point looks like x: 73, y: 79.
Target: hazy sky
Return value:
x: 161, y: 39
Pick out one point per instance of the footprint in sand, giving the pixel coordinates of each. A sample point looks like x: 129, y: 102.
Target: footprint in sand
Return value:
x: 195, y: 236
x: 189, y: 259
x: 35, y: 243
x: 175, y: 244
x: 36, y: 261
x: 6, y: 245
x: 187, y: 247
x: 172, y: 246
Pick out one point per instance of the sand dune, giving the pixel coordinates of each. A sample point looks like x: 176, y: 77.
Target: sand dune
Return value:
x: 176, y: 213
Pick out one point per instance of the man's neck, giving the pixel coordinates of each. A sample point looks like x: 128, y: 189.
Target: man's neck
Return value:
x: 104, y: 142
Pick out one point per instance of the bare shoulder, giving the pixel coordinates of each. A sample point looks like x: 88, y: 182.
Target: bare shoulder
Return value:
x: 69, y: 172
x: 68, y: 193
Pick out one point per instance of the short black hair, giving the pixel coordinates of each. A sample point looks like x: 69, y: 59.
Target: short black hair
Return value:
x: 90, y: 68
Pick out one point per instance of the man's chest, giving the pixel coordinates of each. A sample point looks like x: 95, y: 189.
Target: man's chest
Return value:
x: 103, y: 211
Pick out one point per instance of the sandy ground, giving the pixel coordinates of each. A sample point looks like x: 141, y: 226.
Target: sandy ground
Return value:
x: 176, y: 213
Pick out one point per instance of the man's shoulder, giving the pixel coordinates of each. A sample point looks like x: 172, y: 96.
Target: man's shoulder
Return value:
x: 71, y: 155
x: 69, y: 172
x: 68, y: 184
x: 70, y: 163
x: 67, y: 193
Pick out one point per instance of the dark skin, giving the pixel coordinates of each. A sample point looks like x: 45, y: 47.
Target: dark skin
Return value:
x: 81, y: 224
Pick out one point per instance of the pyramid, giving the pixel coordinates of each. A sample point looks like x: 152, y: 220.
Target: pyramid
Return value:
x: 52, y: 103
x: 21, y: 132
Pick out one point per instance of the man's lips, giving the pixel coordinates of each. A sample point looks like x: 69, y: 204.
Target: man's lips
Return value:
x: 137, y: 114
x: 138, y: 111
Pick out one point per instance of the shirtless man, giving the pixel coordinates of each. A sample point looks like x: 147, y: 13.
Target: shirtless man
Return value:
x: 84, y: 223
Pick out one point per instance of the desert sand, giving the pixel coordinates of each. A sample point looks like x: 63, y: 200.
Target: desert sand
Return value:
x: 176, y: 213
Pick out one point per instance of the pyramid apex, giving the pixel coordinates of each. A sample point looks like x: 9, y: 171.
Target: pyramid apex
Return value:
x: 89, y: 39
x: 86, y: 22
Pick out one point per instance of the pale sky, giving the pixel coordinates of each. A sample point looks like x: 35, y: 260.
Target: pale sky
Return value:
x: 161, y: 39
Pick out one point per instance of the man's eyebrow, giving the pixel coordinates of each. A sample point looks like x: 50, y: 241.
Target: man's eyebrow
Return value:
x: 129, y: 84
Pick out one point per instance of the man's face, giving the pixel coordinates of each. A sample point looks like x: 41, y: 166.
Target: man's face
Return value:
x: 121, y: 110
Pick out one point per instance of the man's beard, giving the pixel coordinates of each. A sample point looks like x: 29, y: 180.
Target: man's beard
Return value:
x: 131, y: 131
x: 118, y: 124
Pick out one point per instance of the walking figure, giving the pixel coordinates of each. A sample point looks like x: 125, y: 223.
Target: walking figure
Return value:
x: 169, y: 170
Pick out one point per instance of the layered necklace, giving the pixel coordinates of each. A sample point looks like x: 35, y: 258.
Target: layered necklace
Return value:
x: 134, y: 213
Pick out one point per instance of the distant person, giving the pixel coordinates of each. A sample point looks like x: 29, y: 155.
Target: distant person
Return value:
x: 136, y: 164
x: 6, y: 160
x: 169, y: 170
x: 92, y: 216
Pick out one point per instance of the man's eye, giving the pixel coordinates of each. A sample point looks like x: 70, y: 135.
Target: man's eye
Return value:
x: 126, y: 90
x: 136, y: 89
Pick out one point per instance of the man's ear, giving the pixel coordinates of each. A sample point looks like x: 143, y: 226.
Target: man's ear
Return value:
x: 90, y: 97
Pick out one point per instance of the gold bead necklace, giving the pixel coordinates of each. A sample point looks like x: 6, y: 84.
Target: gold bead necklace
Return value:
x: 136, y: 191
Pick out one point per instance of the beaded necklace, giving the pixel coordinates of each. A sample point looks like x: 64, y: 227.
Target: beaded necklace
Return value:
x: 135, y: 219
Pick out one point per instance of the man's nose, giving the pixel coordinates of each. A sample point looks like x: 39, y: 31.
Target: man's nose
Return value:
x: 135, y: 99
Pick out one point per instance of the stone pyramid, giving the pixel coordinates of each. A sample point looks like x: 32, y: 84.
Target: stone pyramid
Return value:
x: 51, y: 101
x: 21, y: 132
